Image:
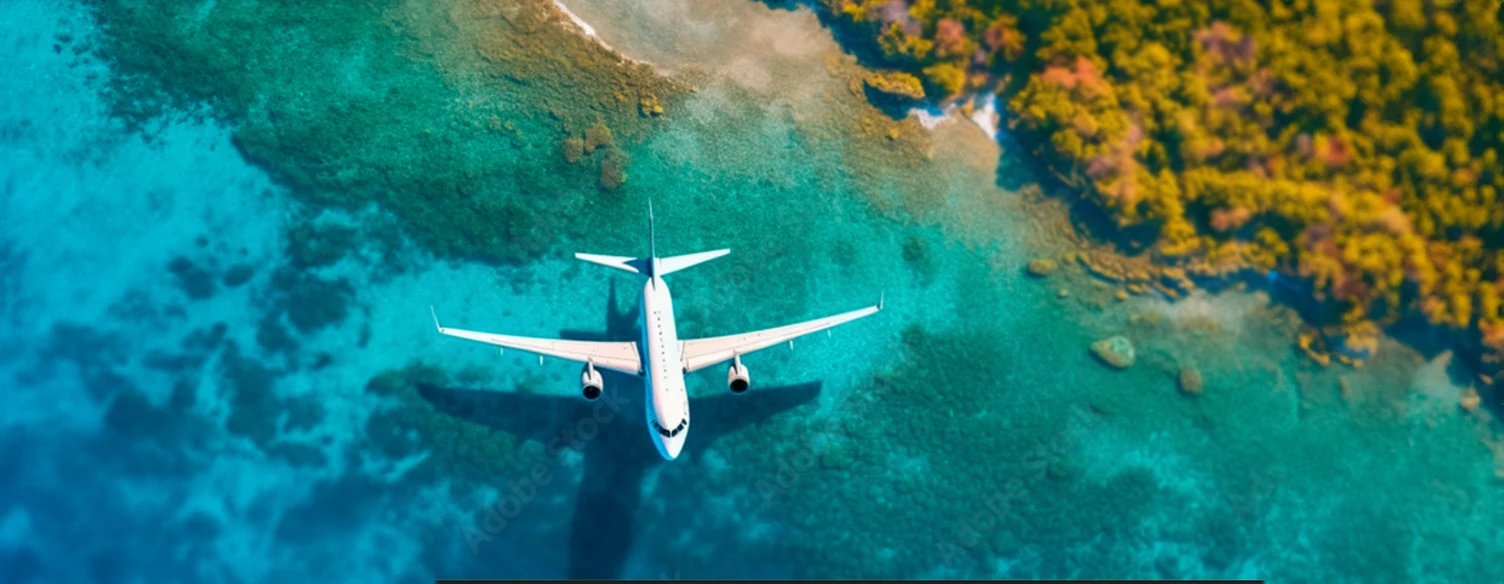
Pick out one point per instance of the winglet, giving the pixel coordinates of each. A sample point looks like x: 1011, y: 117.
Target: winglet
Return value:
x: 880, y: 297
x: 435, y: 318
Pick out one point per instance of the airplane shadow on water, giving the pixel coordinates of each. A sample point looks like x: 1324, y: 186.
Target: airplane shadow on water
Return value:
x: 617, y: 458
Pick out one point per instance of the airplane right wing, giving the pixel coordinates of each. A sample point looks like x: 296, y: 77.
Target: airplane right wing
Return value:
x: 702, y: 353
x: 618, y: 356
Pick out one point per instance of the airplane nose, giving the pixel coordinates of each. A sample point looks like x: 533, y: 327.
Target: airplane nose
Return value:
x: 672, y: 446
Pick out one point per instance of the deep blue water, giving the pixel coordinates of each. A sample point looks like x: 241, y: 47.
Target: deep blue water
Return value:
x: 179, y: 403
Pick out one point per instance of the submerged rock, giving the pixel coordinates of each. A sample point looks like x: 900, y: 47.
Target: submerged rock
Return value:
x: 1041, y: 267
x: 650, y: 107
x: 1191, y: 382
x: 598, y: 136
x: 1115, y: 351
x: 1471, y: 400
x: 574, y: 149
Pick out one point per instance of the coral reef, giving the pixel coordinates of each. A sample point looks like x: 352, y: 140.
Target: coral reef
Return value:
x: 612, y: 160
x: 1190, y: 381
x: 649, y: 106
x: 870, y: 500
x: 495, y: 85
x: 613, y: 170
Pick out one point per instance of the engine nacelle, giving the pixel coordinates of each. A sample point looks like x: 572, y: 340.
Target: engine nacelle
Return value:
x: 737, y: 378
x: 590, y: 382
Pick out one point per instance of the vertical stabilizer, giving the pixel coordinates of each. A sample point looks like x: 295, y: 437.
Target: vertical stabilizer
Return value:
x: 652, y: 263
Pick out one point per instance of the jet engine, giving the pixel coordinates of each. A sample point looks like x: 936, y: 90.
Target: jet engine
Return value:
x: 590, y: 382
x: 737, y: 378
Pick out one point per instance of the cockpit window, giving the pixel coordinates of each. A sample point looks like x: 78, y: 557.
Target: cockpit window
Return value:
x: 667, y: 433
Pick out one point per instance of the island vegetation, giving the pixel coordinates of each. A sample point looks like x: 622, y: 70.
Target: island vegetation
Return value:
x: 1351, y: 144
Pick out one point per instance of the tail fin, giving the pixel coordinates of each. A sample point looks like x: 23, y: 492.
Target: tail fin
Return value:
x: 652, y: 241
x: 652, y: 265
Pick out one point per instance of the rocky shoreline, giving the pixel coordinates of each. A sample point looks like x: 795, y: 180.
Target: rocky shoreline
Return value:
x: 1330, y: 345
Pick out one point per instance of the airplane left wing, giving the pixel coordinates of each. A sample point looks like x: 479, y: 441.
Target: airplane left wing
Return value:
x: 618, y: 356
x: 702, y: 353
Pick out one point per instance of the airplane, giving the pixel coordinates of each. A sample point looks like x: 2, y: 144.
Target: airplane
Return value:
x: 614, y: 467
x: 660, y: 358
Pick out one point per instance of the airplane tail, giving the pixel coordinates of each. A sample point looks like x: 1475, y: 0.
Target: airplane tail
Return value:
x: 652, y: 264
x: 652, y: 240
x: 666, y: 266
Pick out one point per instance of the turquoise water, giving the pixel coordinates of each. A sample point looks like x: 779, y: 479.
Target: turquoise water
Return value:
x: 190, y: 397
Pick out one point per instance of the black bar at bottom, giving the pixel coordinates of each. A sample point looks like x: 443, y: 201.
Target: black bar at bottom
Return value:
x: 722, y: 581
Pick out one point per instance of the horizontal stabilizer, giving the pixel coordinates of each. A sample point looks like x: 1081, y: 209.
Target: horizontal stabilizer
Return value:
x: 676, y: 263
x: 640, y: 265
x: 623, y: 263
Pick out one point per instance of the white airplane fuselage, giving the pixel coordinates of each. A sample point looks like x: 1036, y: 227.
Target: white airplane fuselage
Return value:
x: 666, y: 401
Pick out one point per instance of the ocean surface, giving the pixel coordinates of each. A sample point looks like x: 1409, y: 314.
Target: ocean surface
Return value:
x: 195, y: 389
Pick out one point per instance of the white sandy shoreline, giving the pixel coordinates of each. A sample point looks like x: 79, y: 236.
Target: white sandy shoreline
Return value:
x: 984, y: 113
x: 580, y: 22
x: 589, y: 31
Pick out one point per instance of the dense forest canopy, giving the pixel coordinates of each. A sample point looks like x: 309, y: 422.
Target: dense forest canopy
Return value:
x: 1354, y: 143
